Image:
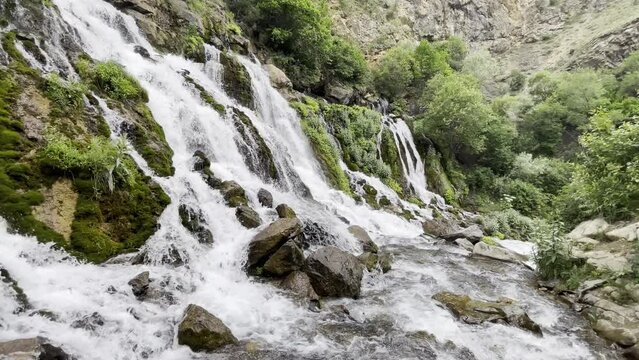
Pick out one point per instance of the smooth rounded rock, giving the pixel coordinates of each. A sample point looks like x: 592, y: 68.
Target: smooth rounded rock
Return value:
x: 334, y: 272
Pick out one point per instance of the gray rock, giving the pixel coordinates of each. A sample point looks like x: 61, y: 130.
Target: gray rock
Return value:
x: 495, y: 252
x: 589, y: 229
x: 439, y: 227
x: 248, y: 217
x: 202, y: 331
x: 278, y: 78
x: 472, y: 233
x: 289, y: 257
x: 368, y: 245
x: 299, y: 283
x: 195, y: 223
x: 464, y: 244
x: 37, y: 348
x: 267, y: 241
x: 628, y: 233
x: 369, y: 260
x: 140, y: 285
x: 89, y: 322
x: 233, y: 193
x: 265, y: 198
x: 285, y: 212
x: 334, y: 272
x: 385, y: 262
x: 618, y: 334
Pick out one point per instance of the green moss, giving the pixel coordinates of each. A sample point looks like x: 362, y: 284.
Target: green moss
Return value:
x: 111, y: 79
x: 66, y: 96
x: 391, y: 157
x: 149, y: 140
x: 370, y: 195
x: 489, y: 240
x: 438, y: 180
x: 325, y: 151
x: 18, y: 62
x: 194, y: 48
x: 237, y: 81
x: 205, y: 95
x: 260, y: 159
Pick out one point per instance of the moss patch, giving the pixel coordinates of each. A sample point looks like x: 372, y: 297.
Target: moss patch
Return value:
x: 237, y: 81
x: 257, y: 154
x: 326, y: 153
x: 205, y: 95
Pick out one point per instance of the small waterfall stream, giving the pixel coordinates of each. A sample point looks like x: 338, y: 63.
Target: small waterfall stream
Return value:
x: 392, y: 305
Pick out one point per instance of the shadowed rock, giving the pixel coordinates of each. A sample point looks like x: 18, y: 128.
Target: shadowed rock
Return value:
x: 203, y: 331
x: 266, y: 242
x: 334, y: 272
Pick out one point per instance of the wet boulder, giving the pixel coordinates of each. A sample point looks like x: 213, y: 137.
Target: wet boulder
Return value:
x: 299, y: 284
x: 269, y: 240
x: 140, y: 285
x: 21, y: 298
x: 464, y: 244
x: 476, y: 312
x: 368, y: 245
x: 248, y: 217
x: 496, y: 252
x: 202, y: 331
x: 289, y: 257
x: 439, y: 226
x: 385, y: 262
x: 316, y: 234
x: 37, y: 348
x: 334, y: 272
x: 265, y: 198
x: 89, y: 322
x: 233, y: 193
x: 369, y: 260
x: 202, y: 164
x: 472, y: 233
x: 194, y: 222
x: 285, y: 212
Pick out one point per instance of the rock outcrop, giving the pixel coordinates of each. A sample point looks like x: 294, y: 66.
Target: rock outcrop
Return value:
x: 334, y: 272
x: 37, y: 348
x: 194, y: 222
x: 269, y: 240
x: 203, y: 331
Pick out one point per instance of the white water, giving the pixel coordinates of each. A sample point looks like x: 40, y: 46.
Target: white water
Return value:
x: 213, y: 276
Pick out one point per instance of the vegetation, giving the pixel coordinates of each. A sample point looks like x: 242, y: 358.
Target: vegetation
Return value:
x: 110, y: 78
x: 298, y: 34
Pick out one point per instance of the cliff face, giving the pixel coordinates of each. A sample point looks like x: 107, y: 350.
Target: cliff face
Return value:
x: 528, y: 34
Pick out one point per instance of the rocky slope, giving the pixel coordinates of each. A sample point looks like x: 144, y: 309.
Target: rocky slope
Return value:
x: 526, y: 34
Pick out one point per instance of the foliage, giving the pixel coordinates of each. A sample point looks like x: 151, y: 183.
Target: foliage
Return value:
x: 430, y: 61
x: 522, y: 196
x: 456, y: 114
x: 67, y: 96
x: 517, y: 80
x: 325, y: 151
x: 194, y: 48
x: 345, y: 62
x: 548, y: 174
x: 553, y: 255
x: 457, y: 51
x: 395, y: 72
x: 485, y: 69
x: 500, y: 134
x: 356, y: 128
x: 99, y: 157
x: 111, y: 78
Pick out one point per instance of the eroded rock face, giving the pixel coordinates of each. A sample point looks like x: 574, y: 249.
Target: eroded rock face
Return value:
x: 37, y: 348
x: 334, y: 272
x: 58, y: 207
x: 266, y: 242
x: 202, y: 331
x: 474, y: 312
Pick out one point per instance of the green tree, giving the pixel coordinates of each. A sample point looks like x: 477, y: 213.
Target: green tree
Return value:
x: 430, y: 60
x: 457, y: 51
x: 345, y: 62
x: 456, y: 114
x: 395, y: 72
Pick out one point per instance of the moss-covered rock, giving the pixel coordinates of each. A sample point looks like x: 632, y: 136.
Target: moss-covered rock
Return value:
x: 204, y: 95
x: 285, y: 212
x: 248, y: 217
x: 233, y: 193
x: 391, y: 157
x: 202, y: 331
x: 237, y: 81
x: 324, y: 149
x: 194, y: 222
x: 257, y: 155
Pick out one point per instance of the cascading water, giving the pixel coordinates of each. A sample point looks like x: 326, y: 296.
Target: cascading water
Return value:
x: 392, y: 305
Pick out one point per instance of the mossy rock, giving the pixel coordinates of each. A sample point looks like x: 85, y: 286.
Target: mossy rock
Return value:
x: 257, y: 155
x: 233, y: 193
x: 237, y: 81
x: 285, y: 212
x: 204, y: 95
x: 391, y: 157
x: 202, y: 331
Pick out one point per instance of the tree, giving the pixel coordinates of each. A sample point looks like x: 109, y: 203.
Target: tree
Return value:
x: 430, y: 61
x: 457, y: 51
x: 345, y: 62
x: 395, y: 72
x: 456, y: 114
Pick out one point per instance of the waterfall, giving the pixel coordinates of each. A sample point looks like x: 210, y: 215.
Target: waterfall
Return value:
x: 213, y: 276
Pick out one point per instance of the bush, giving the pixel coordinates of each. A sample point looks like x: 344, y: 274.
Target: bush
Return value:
x: 67, y: 96
x: 345, y: 63
x: 548, y: 174
x: 516, y: 80
x: 553, y: 255
x: 430, y: 61
x: 99, y: 157
x: 522, y: 196
x: 111, y: 78
x: 511, y: 223
x: 457, y: 51
x: 394, y: 73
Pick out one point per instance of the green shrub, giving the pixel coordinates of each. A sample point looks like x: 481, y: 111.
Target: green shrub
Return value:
x: 67, y: 96
x: 395, y: 72
x: 111, y: 78
x: 553, y: 255
x: 548, y: 174
x: 522, y: 196
x: 194, y: 48
x: 516, y: 80
x: 345, y: 63
x: 430, y: 61
x: 510, y: 223
x: 457, y: 50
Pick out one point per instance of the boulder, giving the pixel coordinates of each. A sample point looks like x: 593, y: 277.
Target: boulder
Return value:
x: 618, y: 334
x: 267, y: 241
x: 202, y: 164
x: 334, y: 272
x: 299, y: 283
x: 496, y: 252
x: 472, y: 233
x: 37, y: 348
x: 289, y: 257
x: 140, y: 285
x: 202, y: 331
x: 590, y: 229
x: 439, y: 226
x: 285, y: 212
x: 194, y: 222
x: 385, y: 262
x: 278, y: 78
x: 233, y: 193
x: 476, y: 312
x: 265, y: 198
x: 248, y: 217
x: 369, y: 260
x: 368, y: 245
x: 628, y: 233
x: 464, y: 244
